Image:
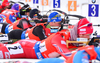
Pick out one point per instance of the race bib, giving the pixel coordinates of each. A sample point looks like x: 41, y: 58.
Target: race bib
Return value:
x: 1, y: 55
x: 15, y: 49
x: 26, y: 36
x: 7, y: 12
x: 1, y: 27
x: 42, y: 47
x: 4, y: 21
x: 10, y: 28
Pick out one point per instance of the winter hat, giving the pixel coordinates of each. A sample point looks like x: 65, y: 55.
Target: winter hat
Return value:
x: 5, y: 3
x: 25, y: 8
x: 54, y: 17
x: 22, y: 11
x: 15, y: 7
x: 34, y: 13
x: 84, y: 27
x: 28, y: 10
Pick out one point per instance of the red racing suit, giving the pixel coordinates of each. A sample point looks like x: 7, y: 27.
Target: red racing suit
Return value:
x: 30, y: 35
x: 53, y: 46
x: 83, y: 55
x: 8, y: 13
x: 48, y: 31
x: 14, y: 26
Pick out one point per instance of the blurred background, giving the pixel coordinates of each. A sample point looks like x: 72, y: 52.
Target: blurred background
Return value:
x: 82, y: 7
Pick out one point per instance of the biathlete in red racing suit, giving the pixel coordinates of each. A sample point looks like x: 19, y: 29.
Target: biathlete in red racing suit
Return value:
x: 53, y: 46
x: 7, y: 16
x: 10, y: 15
x: 85, y: 55
x: 82, y: 55
x: 21, y: 24
x: 39, y: 31
x: 29, y: 34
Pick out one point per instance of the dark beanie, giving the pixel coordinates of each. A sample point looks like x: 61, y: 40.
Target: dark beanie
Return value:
x: 25, y: 8
x: 33, y: 12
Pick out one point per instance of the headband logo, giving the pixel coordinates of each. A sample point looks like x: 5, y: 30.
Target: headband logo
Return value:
x: 58, y: 15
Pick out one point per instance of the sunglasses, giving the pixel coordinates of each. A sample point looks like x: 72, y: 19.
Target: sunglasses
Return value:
x: 88, y: 25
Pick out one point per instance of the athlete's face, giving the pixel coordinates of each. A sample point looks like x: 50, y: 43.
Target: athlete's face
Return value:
x: 84, y: 36
x: 35, y: 19
x: 55, y: 24
x: 27, y: 13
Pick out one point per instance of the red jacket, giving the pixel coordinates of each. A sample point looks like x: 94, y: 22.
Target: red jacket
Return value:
x: 14, y: 26
x: 30, y: 35
x: 8, y: 13
x: 52, y: 47
x: 88, y: 49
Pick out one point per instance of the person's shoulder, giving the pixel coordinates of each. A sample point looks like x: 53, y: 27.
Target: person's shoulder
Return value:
x: 40, y: 26
x: 0, y: 7
x: 23, y: 19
